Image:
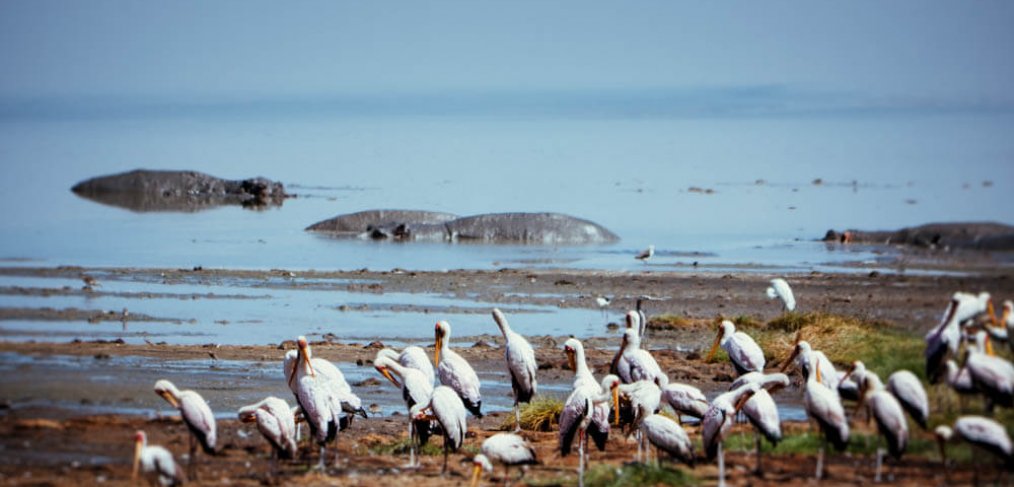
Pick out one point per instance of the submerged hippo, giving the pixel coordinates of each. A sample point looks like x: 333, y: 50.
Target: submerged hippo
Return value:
x: 967, y: 235
x: 146, y: 190
x: 530, y: 228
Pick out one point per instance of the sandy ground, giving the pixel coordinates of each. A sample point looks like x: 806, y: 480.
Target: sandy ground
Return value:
x: 42, y: 446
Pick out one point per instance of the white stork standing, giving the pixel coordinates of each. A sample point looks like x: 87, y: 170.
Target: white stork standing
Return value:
x: 414, y: 357
x: 155, y: 462
x: 806, y: 356
x: 761, y: 410
x: 780, y: 289
x: 196, y: 415
x: 415, y: 389
x: 316, y: 395
x: 520, y: 363
x: 982, y: 433
x: 455, y: 372
x: 507, y: 448
x: 645, y: 398
x: 718, y: 420
x: 883, y: 407
x: 823, y: 406
x: 993, y: 376
x: 743, y: 352
x: 447, y: 409
x: 685, y: 399
x: 276, y: 423
x: 577, y: 416
x: 646, y: 254
x: 583, y: 379
x: 635, y: 363
x: 668, y: 436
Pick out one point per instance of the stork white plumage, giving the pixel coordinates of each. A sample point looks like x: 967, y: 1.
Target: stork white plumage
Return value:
x: 155, y: 462
x: 761, y: 410
x: 578, y: 414
x: 414, y: 357
x: 718, y: 420
x: 196, y: 415
x: 507, y: 448
x: 455, y: 372
x: 635, y: 363
x: 993, y: 376
x: 943, y: 340
x: 780, y: 289
x: 446, y: 408
x: 645, y: 398
x: 883, y: 407
x: 276, y: 423
x: 908, y: 390
x: 743, y: 352
x: 806, y: 357
x: 646, y: 254
x: 685, y: 399
x: 520, y: 363
x: 415, y: 389
x: 668, y: 436
x: 824, y: 407
x: 982, y: 433
x: 642, y: 323
x: 316, y: 395
x: 960, y: 380
x: 631, y: 320
x: 583, y: 379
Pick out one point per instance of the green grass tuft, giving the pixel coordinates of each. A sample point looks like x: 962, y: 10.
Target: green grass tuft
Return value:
x: 542, y: 414
x: 637, y: 474
x: 402, y: 446
x: 668, y: 322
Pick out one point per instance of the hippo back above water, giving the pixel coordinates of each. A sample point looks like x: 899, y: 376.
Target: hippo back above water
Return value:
x: 526, y: 228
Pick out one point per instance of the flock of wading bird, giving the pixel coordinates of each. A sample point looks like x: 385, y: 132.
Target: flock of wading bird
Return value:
x: 326, y: 402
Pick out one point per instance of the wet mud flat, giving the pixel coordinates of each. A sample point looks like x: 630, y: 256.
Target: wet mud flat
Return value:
x: 69, y: 407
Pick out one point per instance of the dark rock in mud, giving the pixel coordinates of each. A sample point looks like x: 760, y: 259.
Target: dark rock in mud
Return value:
x: 530, y: 228
x: 145, y: 190
x: 965, y: 235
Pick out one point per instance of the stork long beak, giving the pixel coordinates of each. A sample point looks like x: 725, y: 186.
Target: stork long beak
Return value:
x: 571, y: 359
x: 390, y: 377
x: 169, y: 398
x: 714, y: 346
x: 137, y: 458
x: 788, y: 361
x: 439, y: 344
x: 248, y: 417
x: 991, y: 311
x: 989, y: 346
x: 616, y: 403
x: 305, y: 357
x: 476, y: 474
x: 816, y: 370
x: 862, y: 397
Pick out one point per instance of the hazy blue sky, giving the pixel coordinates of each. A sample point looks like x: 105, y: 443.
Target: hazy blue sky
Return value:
x: 919, y: 50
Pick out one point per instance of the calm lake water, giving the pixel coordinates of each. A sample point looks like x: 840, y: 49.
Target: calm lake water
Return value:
x: 633, y: 174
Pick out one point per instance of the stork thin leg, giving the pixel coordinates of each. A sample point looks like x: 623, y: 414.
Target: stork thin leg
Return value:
x: 640, y: 455
x: 517, y: 416
x: 580, y: 454
x: 446, y: 450
x: 757, y: 440
x: 721, y: 466
x: 323, y: 453
x: 192, y: 461
x: 336, y: 455
x: 820, y: 459
x: 880, y: 463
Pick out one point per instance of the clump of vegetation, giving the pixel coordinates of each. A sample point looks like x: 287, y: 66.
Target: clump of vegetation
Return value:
x: 844, y: 339
x: 542, y: 414
x: 638, y: 474
x: 668, y: 322
x: 403, y: 445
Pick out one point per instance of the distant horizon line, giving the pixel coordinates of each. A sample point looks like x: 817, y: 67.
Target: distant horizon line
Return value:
x: 732, y: 102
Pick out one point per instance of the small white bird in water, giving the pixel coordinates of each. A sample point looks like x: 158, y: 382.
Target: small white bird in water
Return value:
x: 155, y: 462
x: 780, y: 289
x: 646, y: 254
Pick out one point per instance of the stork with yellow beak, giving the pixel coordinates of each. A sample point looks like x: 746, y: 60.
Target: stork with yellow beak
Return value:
x: 320, y: 406
x: 507, y: 448
x: 744, y: 353
x: 276, y: 422
x: 415, y: 389
x: 196, y: 415
x: 577, y: 416
x: 455, y: 372
x: 718, y: 420
x: 155, y: 462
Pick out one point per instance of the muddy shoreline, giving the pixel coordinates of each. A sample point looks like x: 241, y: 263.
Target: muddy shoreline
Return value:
x: 52, y: 434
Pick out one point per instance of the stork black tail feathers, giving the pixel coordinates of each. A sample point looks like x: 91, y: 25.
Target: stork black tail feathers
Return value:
x: 473, y: 407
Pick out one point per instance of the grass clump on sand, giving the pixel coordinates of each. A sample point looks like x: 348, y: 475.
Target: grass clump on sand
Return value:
x: 542, y: 414
x: 637, y: 474
x: 402, y: 446
x: 668, y: 322
x: 844, y: 339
